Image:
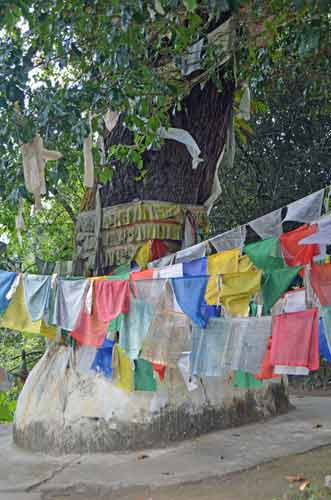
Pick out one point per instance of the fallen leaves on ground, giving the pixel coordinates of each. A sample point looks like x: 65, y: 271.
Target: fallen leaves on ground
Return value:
x: 297, y: 478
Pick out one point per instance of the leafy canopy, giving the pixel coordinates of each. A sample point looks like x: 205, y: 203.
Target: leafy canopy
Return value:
x: 61, y: 59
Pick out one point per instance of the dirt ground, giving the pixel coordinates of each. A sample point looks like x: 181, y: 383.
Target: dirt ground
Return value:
x: 264, y: 482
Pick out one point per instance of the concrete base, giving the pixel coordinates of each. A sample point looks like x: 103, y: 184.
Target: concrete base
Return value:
x: 66, y: 409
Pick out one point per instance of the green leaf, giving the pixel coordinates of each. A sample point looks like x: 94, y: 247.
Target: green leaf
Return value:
x: 190, y: 5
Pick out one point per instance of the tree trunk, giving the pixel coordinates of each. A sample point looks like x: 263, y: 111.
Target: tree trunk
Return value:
x: 170, y: 178
x: 205, y: 115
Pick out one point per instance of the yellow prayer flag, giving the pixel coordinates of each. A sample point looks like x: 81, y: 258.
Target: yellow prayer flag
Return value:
x: 220, y: 263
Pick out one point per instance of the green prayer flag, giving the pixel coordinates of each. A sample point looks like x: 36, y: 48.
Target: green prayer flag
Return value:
x: 120, y: 273
x: 115, y: 324
x: 144, y: 376
x: 244, y: 380
x: 275, y: 283
x: 265, y: 254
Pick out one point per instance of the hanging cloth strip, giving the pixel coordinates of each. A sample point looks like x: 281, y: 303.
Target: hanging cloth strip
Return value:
x: 190, y: 381
x: 243, y: 380
x: 158, y: 249
x: 191, y: 253
x: 103, y: 359
x: 250, y: 336
x: 295, y: 254
x: 196, y: 267
x: 268, y: 225
x: 85, y: 356
x: 112, y: 297
x: 267, y: 370
x: 265, y: 254
x: 321, y: 282
x: 144, y: 376
x: 143, y: 255
x: 306, y: 209
x: 220, y: 264
x: 295, y: 339
x: 89, y: 330
x: 18, y: 318
x: 291, y: 370
x: 238, y: 289
x: 68, y: 302
x: 322, y: 235
x: 88, y: 157
x: 326, y: 316
x: 169, y: 333
x: 147, y: 274
x: 149, y: 291
x: 6, y: 281
x: 235, y: 238
x: 190, y: 293
x: 134, y: 327
x: 275, y: 283
x: 37, y: 291
x: 34, y: 159
x: 160, y: 370
x: 175, y: 271
x: 210, y: 356
x: 323, y: 343
x: 122, y: 366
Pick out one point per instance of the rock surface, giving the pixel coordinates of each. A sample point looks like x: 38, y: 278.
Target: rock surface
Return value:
x: 66, y: 408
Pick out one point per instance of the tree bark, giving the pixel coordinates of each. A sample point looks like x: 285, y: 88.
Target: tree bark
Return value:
x: 205, y: 115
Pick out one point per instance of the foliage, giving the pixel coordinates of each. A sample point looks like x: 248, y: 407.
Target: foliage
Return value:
x: 7, y: 406
x: 62, y: 59
x: 286, y: 157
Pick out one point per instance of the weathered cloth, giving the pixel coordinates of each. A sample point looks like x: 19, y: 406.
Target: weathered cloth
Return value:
x: 243, y: 380
x: 68, y: 303
x: 196, y: 267
x: 6, y: 281
x: 190, y: 293
x: 291, y: 370
x: 134, y: 327
x: 18, y: 318
x: 238, y: 289
x: 103, y: 359
x: 323, y: 344
x: 89, y: 330
x: 320, y: 276
x: 265, y: 254
x: 326, y: 316
x: 295, y: 254
x: 295, y: 339
x: 211, y: 355
x: 37, y: 291
x: 85, y: 356
x: 275, y: 283
x: 184, y: 367
x: 148, y: 290
x: 295, y: 300
x: 268, y: 225
x: 250, y: 336
x: 323, y: 234
x: 122, y: 367
x: 143, y: 255
x: 235, y: 238
x: 191, y: 253
x: 34, y: 158
x: 144, y: 379
x: 267, y: 369
x: 112, y: 297
x: 175, y: 271
x: 220, y: 264
x: 306, y: 209
x: 183, y: 136
x: 169, y: 333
